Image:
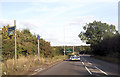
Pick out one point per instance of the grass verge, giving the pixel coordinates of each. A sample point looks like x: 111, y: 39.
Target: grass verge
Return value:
x: 108, y: 59
x: 27, y: 65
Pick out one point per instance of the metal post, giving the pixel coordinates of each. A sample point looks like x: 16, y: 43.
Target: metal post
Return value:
x: 38, y: 50
x: 64, y: 50
x: 73, y: 49
x: 64, y: 40
x: 15, y: 45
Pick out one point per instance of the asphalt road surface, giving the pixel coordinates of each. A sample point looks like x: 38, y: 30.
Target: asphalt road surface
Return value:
x: 87, y: 66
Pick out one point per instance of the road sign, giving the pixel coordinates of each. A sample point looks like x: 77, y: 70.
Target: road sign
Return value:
x: 38, y: 36
x: 11, y: 30
x: 68, y: 49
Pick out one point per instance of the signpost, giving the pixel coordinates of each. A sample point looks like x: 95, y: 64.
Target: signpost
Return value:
x: 12, y: 31
x: 38, y: 37
x: 15, y: 44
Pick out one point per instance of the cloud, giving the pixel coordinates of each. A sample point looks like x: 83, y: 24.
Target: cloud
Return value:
x: 35, y: 27
x: 55, y: 35
x: 49, y: 18
x: 72, y: 28
x: 4, y: 22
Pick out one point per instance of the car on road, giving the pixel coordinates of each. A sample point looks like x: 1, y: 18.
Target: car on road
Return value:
x: 75, y: 58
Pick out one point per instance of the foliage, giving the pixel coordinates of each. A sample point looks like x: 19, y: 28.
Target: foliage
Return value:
x: 58, y: 50
x: 95, y: 32
x: 27, y: 44
x: 102, y: 37
x: 109, y: 46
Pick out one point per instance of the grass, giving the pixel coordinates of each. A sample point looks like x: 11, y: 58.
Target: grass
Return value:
x: 108, y: 58
x: 27, y: 65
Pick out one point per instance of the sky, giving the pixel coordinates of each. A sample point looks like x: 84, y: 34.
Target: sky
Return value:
x: 57, y: 21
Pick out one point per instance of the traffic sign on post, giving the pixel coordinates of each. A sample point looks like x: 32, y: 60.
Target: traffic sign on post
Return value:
x: 38, y: 36
x: 11, y: 30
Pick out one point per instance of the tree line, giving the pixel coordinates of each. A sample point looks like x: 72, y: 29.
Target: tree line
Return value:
x: 79, y: 49
x: 27, y: 44
x: 103, y: 38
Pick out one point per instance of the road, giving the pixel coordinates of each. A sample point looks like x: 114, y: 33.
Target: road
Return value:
x: 87, y: 66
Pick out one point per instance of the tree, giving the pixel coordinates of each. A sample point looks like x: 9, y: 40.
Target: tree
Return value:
x: 26, y: 44
x: 95, y: 33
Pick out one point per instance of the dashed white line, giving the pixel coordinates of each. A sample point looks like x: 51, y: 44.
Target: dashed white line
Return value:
x: 83, y: 63
x: 101, y: 70
x: 88, y: 70
x: 89, y: 63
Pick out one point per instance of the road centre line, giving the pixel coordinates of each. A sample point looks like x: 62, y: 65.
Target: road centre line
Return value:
x: 89, y: 63
x: 83, y: 63
x: 84, y: 59
x: 101, y: 70
x: 88, y: 70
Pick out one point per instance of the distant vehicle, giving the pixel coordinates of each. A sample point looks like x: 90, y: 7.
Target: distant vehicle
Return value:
x: 75, y: 58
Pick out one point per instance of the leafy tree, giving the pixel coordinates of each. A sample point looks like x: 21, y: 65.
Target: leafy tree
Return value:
x: 58, y: 50
x: 95, y: 33
x: 26, y: 44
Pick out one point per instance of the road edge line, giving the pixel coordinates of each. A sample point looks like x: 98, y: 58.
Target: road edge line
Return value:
x: 101, y: 70
x: 46, y: 68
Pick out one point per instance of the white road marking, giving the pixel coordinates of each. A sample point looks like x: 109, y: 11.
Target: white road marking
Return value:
x: 83, y: 63
x: 89, y: 63
x: 88, y: 70
x: 101, y: 70
x: 38, y: 70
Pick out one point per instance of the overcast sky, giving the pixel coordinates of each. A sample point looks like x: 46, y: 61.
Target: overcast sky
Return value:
x: 58, y: 21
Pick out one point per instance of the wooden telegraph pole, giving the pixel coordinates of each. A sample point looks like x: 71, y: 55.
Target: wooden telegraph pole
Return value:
x: 15, y: 45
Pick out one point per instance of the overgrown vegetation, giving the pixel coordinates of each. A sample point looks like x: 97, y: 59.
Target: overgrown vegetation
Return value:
x: 26, y: 44
x: 29, y: 64
x: 27, y: 51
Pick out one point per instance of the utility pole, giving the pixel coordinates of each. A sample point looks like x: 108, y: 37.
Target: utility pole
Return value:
x: 15, y: 45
